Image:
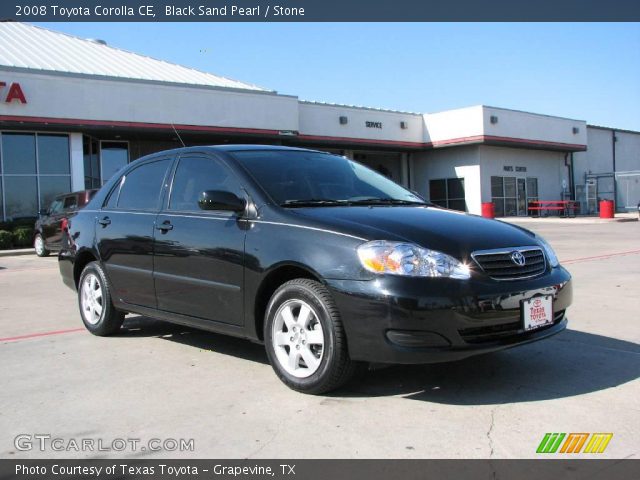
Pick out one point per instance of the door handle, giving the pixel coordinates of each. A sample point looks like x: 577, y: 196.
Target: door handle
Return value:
x: 105, y: 221
x: 164, y: 226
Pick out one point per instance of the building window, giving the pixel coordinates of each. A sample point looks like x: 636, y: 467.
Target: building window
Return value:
x: 90, y: 155
x: 53, y: 154
x: 34, y: 168
x: 448, y: 193
x: 52, y: 186
x: 19, y: 154
x: 532, y: 189
x: 511, y: 195
x: 113, y: 156
x: 21, y: 196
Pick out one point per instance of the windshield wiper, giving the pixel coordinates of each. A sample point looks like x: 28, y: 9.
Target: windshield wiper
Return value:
x: 386, y: 201
x: 314, y: 202
x: 328, y: 202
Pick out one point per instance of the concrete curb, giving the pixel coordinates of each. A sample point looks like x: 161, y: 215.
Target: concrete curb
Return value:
x: 568, y: 220
x: 21, y: 251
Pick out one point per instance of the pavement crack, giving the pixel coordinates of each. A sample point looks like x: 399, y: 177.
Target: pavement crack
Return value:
x: 268, y: 442
x: 490, y: 431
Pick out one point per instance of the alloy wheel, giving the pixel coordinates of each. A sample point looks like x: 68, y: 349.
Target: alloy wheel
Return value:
x: 39, y: 245
x: 298, y: 338
x: 91, y: 299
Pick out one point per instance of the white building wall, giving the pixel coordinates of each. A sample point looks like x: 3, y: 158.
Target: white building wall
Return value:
x: 473, y: 124
x: 627, y: 151
x: 628, y: 170
x: 532, y: 126
x: 462, y: 162
x: 548, y: 167
x: 68, y: 97
x: 453, y: 124
x: 597, y: 158
x: 324, y: 120
x: 599, y: 155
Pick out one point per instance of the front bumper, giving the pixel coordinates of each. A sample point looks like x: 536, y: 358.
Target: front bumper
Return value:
x: 426, y: 320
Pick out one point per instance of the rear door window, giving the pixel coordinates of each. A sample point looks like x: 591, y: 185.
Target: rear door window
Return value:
x: 140, y: 189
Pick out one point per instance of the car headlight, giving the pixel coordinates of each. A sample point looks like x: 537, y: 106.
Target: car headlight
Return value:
x: 397, y: 258
x: 551, y: 255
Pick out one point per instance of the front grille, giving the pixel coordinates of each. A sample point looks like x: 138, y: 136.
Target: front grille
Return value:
x: 492, y: 333
x: 499, y: 265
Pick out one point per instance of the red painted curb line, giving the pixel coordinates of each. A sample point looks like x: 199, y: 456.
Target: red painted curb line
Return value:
x: 43, y: 334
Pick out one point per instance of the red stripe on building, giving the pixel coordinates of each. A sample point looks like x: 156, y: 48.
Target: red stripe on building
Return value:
x: 119, y: 123
x: 475, y: 139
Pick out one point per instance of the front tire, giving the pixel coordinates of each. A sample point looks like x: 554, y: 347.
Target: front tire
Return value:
x: 305, y: 339
x: 40, y: 247
x: 94, y: 298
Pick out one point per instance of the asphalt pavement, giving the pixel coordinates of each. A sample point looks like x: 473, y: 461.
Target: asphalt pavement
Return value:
x: 157, y: 381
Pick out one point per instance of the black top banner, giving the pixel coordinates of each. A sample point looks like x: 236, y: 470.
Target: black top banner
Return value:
x: 319, y: 10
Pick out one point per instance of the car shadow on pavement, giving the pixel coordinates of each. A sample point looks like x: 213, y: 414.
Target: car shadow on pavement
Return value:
x: 571, y: 363
x: 568, y: 364
x: 140, y: 326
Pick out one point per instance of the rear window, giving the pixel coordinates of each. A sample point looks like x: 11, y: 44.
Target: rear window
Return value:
x: 56, y: 206
x: 70, y: 202
x: 140, y: 188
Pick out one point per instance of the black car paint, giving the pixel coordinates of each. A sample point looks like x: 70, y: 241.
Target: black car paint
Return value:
x: 49, y: 224
x: 211, y: 269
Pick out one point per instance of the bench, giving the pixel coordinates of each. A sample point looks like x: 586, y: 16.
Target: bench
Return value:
x: 566, y: 208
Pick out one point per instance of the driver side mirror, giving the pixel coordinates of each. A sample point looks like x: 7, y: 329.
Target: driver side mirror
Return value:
x: 221, y: 200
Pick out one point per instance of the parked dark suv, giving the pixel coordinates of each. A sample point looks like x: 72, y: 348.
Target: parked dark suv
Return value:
x: 52, y: 221
x: 329, y: 264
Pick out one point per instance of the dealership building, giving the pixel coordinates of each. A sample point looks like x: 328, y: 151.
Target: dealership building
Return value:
x: 73, y: 111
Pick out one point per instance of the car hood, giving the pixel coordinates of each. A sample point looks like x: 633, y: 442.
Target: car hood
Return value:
x: 454, y: 233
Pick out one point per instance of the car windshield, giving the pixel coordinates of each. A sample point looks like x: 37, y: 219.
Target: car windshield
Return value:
x: 302, y: 178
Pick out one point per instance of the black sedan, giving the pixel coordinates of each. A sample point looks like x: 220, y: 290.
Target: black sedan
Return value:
x: 53, y: 220
x: 329, y: 264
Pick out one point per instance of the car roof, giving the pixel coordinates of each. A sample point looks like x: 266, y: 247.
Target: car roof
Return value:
x: 241, y: 147
x: 235, y: 148
x: 77, y: 192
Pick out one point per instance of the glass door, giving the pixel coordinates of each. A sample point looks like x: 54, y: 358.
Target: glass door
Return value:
x: 113, y: 156
x: 522, y: 197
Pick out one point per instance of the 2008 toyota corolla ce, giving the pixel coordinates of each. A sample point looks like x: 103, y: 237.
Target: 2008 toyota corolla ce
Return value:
x: 328, y: 263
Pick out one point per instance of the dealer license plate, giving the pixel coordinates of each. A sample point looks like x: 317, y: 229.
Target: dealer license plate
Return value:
x: 537, y: 312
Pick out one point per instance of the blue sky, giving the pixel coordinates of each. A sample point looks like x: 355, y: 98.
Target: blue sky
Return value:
x: 588, y: 71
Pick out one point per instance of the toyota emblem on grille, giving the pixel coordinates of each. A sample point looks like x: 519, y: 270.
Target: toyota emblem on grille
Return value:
x: 518, y: 259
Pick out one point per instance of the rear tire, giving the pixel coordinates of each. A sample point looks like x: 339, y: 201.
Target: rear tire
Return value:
x: 40, y: 247
x: 305, y: 339
x: 94, y: 298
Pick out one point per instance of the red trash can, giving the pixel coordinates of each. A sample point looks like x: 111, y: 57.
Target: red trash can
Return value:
x: 606, y: 209
x: 488, y: 210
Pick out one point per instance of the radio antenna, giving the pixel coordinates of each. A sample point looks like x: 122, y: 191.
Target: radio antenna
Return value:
x: 178, y: 135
